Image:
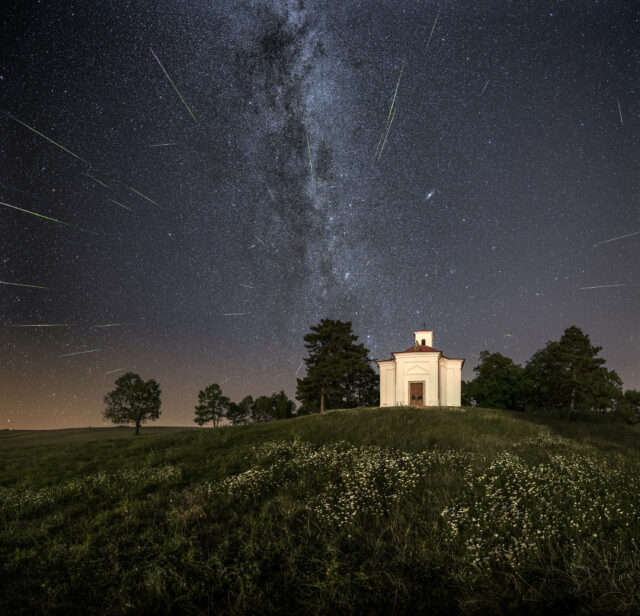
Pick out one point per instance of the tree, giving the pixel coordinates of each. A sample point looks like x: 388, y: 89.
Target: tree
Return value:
x: 282, y: 407
x: 628, y: 406
x: 133, y: 401
x: 262, y: 409
x: 497, y: 384
x: 212, y: 405
x: 339, y: 372
x: 238, y: 413
x: 569, y: 375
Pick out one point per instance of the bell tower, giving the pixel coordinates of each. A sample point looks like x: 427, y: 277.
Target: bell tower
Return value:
x: 424, y: 337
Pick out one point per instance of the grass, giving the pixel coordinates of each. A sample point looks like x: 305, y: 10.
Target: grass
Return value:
x: 391, y: 510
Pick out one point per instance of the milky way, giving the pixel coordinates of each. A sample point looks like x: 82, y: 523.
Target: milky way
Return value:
x: 219, y: 174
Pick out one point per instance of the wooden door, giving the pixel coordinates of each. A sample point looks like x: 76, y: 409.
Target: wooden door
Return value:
x: 416, y: 393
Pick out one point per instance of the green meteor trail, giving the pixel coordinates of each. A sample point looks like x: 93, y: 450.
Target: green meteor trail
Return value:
x: 110, y: 325
x: 43, y: 325
x: 45, y: 137
x: 160, y: 145
x: 223, y: 382
x: 174, y: 86
x: 112, y: 371
x: 603, y: 286
x: 33, y: 213
x: 78, y: 353
x: 143, y: 196
x: 434, y: 26
x: 120, y: 204
x: 388, y: 129
x: 619, y: 111
x: 233, y: 314
x: 270, y: 193
x: 309, y: 151
x: 613, y: 239
x: 258, y: 239
x: 96, y: 180
x: 246, y: 285
x: 390, y: 116
x: 17, y: 284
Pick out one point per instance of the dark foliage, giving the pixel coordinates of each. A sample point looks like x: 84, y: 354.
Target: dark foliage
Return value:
x: 212, y: 405
x: 133, y: 401
x: 339, y: 372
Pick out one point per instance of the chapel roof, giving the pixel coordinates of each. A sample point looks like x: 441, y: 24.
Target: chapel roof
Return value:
x: 421, y: 348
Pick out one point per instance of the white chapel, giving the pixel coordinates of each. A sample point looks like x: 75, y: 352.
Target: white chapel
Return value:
x: 420, y: 376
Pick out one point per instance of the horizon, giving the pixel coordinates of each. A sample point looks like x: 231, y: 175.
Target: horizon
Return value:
x: 188, y: 189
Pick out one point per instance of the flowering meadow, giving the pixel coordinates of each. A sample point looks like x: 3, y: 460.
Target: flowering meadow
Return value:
x: 452, y: 511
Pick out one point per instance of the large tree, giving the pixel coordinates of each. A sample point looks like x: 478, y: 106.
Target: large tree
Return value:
x: 569, y: 375
x: 239, y: 412
x: 497, y: 383
x: 212, y: 405
x: 339, y: 372
x: 262, y: 409
x: 133, y: 401
x: 283, y: 408
x: 628, y: 406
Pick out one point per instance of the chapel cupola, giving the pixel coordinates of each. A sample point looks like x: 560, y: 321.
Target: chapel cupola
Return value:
x: 424, y: 337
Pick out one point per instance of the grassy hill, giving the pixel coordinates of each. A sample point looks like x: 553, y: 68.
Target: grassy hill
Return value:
x: 360, y: 511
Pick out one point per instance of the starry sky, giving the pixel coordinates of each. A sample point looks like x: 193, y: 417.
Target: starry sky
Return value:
x: 223, y: 175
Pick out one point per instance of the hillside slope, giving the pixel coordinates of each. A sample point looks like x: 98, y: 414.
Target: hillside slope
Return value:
x: 366, y: 510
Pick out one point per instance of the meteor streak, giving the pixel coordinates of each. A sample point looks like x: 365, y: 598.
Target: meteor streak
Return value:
x: 120, y: 204
x: 298, y: 370
x: 174, y: 86
x: 45, y: 137
x: 223, y: 382
x: 369, y: 261
x: 112, y: 371
x: 110, y: 325
x: 160, y: 145
x: 385, y: 131
x: 619, y: 111
x: 34, y: 213
x: 613, y: 239
x: 603, y: 286
x: 143, y: 196
x: 17, y: 284
x: 96, y: 180
x: 483, y: 89
x: 434, y: 26
x: 258, y: 239
x: 388, y: 129
x: 246, y: 285
x: 78, y: 353
x: 233, y: 314
x: 309, y: 151
x: 272, y: 197
x: 42, y: 325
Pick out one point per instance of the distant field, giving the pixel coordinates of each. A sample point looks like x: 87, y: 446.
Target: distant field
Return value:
x: 18, y: 438
x: 363, y: 511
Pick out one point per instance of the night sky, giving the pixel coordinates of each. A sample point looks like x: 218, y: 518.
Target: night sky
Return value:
x: 211, y: 222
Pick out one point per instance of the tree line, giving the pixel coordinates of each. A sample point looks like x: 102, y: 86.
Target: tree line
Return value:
x: 565, y: 377
x: 339, y: 374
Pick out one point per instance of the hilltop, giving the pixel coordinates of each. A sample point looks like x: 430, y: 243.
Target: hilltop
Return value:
x: 364, y: 510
